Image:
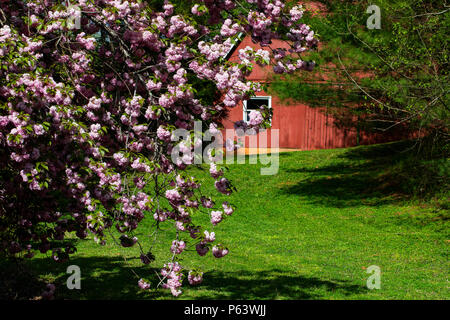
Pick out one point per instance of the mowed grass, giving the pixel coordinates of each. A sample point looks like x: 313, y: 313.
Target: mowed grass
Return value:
x: 309, y: 232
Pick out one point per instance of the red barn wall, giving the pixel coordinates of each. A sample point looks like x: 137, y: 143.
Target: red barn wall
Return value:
x: 300, y: 126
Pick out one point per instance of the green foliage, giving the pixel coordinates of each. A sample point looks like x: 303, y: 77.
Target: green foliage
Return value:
x: 398, y: 74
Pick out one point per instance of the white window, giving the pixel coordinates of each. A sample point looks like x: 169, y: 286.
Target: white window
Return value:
x: 255, y: 103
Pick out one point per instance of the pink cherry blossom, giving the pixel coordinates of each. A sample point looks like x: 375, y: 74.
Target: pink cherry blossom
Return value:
x: 143, y: 284
x: 219, y: 251
x: 90, y: 109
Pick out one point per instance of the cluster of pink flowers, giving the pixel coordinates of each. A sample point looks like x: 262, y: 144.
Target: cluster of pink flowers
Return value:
x: 296, y: 13
x: 227, y: 208
x: 229, y: 29
x: 223, y: 186
x: 174, y: 275
x: 178, y: 246
x: 213, y: 52
x: 216, y: 217
x: 256, y: 118
x: 144, y: 285
x: 86, y: 42
x: 219, y: 251
x: 215, y: 173
x: 195, y: 278
x: 195, y: 10
x: 209, y: 236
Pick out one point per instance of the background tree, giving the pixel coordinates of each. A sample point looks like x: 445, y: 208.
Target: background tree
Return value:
x: 392, y: 80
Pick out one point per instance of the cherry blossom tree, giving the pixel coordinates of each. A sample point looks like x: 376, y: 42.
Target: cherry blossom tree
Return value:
x: 91, y: 92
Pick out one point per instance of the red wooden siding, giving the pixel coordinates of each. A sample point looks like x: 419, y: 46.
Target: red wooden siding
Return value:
x: 300, y: 126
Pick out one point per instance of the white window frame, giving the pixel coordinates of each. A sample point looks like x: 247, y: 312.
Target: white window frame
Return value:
x: 244, y: 109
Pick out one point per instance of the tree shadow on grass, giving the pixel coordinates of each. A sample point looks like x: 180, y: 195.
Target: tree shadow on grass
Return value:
x: 102, y: 278
x: 110, y: 279
x: 274, y: 284
x: 360, y: 176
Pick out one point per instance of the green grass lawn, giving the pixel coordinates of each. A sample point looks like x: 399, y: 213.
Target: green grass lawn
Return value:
x: 308, y: 232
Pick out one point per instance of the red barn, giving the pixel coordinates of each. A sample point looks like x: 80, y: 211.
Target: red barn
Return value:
x: 300, y: 126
